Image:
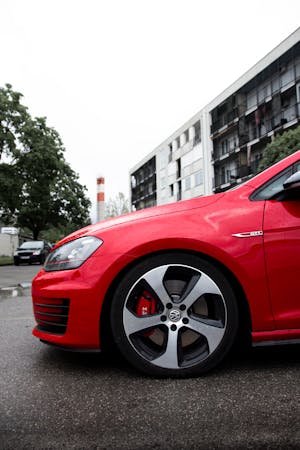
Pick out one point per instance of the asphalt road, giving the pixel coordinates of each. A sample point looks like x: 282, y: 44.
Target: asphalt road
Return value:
x: 51, y: 399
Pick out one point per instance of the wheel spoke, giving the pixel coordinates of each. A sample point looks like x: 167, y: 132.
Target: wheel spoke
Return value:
x: 185, y: 339
x: 213, y: 334
x: 155, y: 280
x: 169, y: 359
x: 204, y: 285
x: 133, y: 324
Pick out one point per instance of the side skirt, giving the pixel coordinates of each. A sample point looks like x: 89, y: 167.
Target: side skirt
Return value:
x: 277, y: 337
x: 271, y: 343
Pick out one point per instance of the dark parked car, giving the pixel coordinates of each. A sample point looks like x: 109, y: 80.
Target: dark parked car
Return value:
x: 32, y: 252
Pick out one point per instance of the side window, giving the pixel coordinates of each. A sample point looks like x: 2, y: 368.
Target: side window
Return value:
x: 272, y: 187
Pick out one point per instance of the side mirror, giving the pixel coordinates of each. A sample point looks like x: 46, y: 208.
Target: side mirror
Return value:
x: 293, y: 182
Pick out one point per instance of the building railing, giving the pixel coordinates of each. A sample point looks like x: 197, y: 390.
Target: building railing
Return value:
x: 265, y: 93
x: 225, y: 119
x: 218, y: 154
x: 260, y: 99
x: 141, y: 179
x: 285, y: 116
x: 230, y: 176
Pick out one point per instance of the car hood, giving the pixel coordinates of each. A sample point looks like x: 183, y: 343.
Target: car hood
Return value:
x: 144, y: 214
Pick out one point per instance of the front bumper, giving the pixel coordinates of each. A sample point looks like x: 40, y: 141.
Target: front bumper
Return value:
x: 29, y: 259
x: 67, y: 308
x: 83, y: 290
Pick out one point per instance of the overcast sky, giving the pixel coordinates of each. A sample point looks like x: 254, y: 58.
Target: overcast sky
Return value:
x: 115, y: 78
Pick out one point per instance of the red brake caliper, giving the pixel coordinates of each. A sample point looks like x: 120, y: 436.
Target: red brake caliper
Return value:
x: 146, y: 305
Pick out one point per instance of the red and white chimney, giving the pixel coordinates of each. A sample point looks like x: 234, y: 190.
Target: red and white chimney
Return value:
x: 100, y: 199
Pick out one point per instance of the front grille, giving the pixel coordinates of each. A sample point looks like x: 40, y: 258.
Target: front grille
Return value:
x: 51, y: 314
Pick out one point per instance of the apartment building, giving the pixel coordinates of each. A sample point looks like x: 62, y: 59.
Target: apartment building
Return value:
x: 224, y: 142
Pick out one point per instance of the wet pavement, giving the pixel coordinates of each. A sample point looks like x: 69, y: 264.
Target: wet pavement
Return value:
x: 12, y: 276
x: 50, y: 399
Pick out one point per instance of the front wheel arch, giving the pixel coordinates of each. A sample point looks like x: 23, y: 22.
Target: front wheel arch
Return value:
x: 244, y: 331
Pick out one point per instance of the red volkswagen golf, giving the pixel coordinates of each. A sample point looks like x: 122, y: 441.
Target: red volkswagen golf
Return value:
x: 174, y: 286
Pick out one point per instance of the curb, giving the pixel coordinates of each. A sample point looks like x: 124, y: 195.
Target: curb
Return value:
x: 14, y: 291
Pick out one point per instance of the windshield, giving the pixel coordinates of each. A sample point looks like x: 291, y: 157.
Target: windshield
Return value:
x: 32, y: 245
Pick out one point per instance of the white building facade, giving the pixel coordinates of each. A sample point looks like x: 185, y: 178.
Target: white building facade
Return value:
x: 223, y: 143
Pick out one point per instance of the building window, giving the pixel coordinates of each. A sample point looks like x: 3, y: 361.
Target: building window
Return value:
x: 275, y: 85
x: 251, y: 99
x: 187, y: 183
x: 170, y: 153
x: 197, y: 128
x: 178, y: 168
x: 286, y: 75
x: 297, y: 69
x: 133, y: 182
x: 264, y: 92
x: 224, y: 147
x: 171, y: 190
x: 179, y: 190
x: 199, y: 178
x: 298, y: 92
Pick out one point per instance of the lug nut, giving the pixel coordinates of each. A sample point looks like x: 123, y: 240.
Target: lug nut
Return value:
x: 185, y: 320
x: 169, y: 305
x: 182, y: 307
x: 173, y: 327
x: 163, y: 318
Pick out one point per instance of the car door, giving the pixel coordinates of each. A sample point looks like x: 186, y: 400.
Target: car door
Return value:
x: 281, y: 228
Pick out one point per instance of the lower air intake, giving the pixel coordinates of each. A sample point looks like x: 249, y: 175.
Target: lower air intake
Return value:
x: 51, y: 314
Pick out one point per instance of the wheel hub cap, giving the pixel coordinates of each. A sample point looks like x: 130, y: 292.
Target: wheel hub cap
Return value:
x: 174, y: 315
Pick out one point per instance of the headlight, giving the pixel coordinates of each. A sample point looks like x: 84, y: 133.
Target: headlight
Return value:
x: 36, y: 252
x: 72, y: 254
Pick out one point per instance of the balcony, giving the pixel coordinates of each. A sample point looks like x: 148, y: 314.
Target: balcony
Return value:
x: 219, y: 155
x: 284, y: 119
x: 224, y: 120
x: 227, y: 178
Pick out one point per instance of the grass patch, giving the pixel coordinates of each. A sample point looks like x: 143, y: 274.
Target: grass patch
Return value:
x: 4, y: 260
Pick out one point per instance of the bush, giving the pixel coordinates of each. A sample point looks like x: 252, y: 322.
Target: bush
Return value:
x: 282, y: 146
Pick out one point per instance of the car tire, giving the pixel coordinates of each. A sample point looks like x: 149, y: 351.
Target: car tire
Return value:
x: 174, y: 315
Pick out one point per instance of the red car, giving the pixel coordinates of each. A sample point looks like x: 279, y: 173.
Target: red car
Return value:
x: 175, y: 286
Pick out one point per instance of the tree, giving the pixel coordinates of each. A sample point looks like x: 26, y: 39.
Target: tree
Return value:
x: 38, y: 188
x: 13, y: 116
x: 117, y: 206
x: 282, y: 146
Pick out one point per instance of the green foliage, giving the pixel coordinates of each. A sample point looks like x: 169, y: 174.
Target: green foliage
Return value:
x: 55, y: 234
x: 13, y: 116
x: 10, y: 188
x: 38, y: 188
x: 6, y: 260
x: 282, y: 146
